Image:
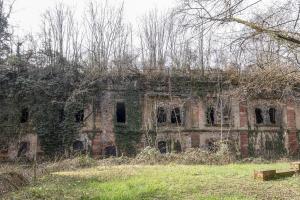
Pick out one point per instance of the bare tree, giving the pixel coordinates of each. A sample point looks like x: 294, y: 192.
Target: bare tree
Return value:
x: 5, y: 11
x: 108, y: 38
x: 61, y: 36
x: 216, y: 12
x: 245, y: 38
x: 155, y: 33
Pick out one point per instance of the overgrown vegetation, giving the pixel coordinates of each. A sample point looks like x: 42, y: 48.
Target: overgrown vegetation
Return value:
x: 128, y: 135
x: 45, y: 81
x: 232, y: 181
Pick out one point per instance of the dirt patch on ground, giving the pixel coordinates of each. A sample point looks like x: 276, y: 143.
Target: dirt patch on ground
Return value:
x: 11, y: 181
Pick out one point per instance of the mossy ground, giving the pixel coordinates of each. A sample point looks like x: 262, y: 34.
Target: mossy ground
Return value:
x: 234, y: 181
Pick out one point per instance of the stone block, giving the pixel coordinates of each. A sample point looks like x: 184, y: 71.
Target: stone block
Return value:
x: 285, y: 173
x: 265, y: 175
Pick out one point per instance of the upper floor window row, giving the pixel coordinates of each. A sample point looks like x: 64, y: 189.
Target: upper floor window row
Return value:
x: 165, y: 115
x: 266, y: 116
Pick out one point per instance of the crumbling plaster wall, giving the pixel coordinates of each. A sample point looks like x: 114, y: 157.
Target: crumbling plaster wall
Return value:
x: 98, y: 123
x: 33, y: 147
x: 265, y: 105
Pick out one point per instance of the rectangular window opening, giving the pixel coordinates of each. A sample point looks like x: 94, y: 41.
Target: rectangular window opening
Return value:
x: 175, y: 116
x: 259, y: 116
x: 24, y: 115
x: 161, y: 115
x: 121, y: 113
x: 79, y: 116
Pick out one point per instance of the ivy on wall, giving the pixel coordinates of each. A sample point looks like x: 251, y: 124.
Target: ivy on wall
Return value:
x: 128, y: 135
x: 270, y: 147
x: 51, y: 96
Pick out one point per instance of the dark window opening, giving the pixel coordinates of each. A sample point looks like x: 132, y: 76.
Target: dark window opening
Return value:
x: 5, y: 117
x: 210, y: 116
x: 162, y: 146
x: 121, y: 113
x: 259, y: 116
x: 175, y: 116
x: 177, y: 147
x: 211, y: 146
x: 79, y: 116
x: 110, y: 151
x: 161, y: 115
x: 78, y: 146
x: 24, y: 115
x: 61, y: 115
x: 272, y: 115
x: 23, y: 149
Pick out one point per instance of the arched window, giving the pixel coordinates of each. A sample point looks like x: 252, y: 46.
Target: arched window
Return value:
x: 259, y: 116
x: 272, y: 115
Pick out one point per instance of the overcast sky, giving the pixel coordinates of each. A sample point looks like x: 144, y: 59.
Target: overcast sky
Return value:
x: 26, y: 14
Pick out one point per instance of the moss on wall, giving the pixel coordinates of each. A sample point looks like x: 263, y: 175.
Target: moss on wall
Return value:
x: 269, y: 147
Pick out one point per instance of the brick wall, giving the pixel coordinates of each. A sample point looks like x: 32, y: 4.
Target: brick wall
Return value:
x: 244, y: 140
x: 293, y: 145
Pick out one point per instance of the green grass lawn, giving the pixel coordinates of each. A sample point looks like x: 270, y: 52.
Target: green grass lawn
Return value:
x: 163, y: 182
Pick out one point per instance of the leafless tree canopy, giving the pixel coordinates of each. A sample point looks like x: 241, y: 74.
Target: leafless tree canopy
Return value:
x: 263, y: 33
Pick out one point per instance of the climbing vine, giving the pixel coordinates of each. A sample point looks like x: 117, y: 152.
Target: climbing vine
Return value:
x: 275, y: 145
x: 128, y: 135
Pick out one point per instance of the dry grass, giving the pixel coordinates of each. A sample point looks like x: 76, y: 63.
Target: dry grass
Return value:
x: 174, y: 181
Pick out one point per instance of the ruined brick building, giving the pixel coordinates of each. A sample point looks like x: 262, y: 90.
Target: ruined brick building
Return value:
x: 176, y: 113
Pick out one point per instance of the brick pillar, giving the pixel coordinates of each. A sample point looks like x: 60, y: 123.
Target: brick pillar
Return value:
x: 96, y: 146
x: 244, y: 140
x: 293, y: 145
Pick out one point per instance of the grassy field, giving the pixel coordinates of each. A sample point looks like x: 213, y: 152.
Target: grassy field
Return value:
x: 163, y: 182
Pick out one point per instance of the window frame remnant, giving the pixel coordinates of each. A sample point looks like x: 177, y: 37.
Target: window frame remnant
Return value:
x: 121, y: 112
x: 259, y: 118
x: 272, y: 115
x: 161, y: 116
x: 176, y: 116
x: 210, y: 115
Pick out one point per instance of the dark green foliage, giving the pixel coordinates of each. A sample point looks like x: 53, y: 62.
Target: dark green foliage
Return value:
x: 128, y: 135
x: 52, y: 96
x: 274, y: 146
x: 278, y: 144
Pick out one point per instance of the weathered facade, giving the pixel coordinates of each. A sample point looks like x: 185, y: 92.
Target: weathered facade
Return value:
x: 176, y: 113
